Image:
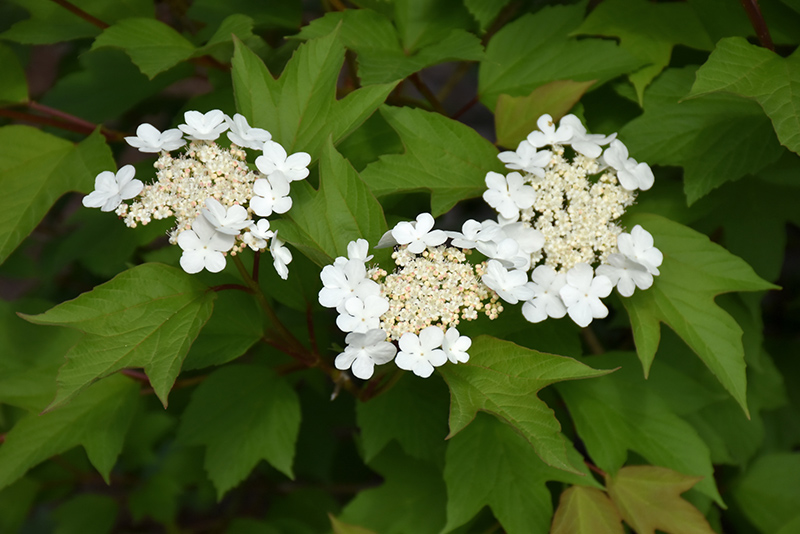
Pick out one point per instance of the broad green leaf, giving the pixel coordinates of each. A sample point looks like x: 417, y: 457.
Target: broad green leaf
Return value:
x: 769, y: 491
x: 371, y: 140
x: 36, y: 168
x: 322, y: 223
x: 735, y: 66
x: 381, y: 57
x: 485, y: 11
x: 694, y: 271
x: 418, y: 422
x: 648, y: 31
x: 283, y: 14
x: 152, y: 45
x: 489, y: 464
x: 716, y: 139
x: 145, y: 317
x: 536, y: 49
x: 16, y: 502
x: 621, y: 412
x: 424, y: 22
x: 98, y: 420
x: 242, y: 414
x: 791, y: 527
x: 221, y: 43
x: 648, y: 497
x: 503, y: 379
x: 88, y: 512
x: 441, y: 155
x: 13, y: 84
x: 340, y: 527
x: 300, y: 108
x: 583, y: 510
x: 515, y: 117
x: 52, y: 23
x: 412, y: 497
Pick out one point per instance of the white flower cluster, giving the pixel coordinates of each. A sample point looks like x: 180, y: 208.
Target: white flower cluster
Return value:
x: 416, y: 308
x: 557, y: 213
x: 209, y: 189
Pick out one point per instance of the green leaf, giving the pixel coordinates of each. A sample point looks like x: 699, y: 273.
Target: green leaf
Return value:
x: 322, y: 223
x: 343, y: 528
x: 441, y: 155
x: 283, y: 14
x: 622, y: 412
x: 418, y: 422
x: 36, y: 168
x: 221, y: 43
x: 583, y: 510
x: 515, y: 117
x: 502, y: 378
x: 536, y: 49
x: 489, y: 464
x: 424, y: 22
x: 648, y: 498
x: 242, y: 414
x: 717, y: 139
x: 84, y: 513
x: 300, y: 108
x: 152, y: 45
x: 769, y: 491
x: 735, y: 66
x: 98, y: 420
x: 485, y: 11
x: 146, y: 317
x: 16, y: 502
x: 694, y: 271
x: 648, y: 31
x: 13, y: 84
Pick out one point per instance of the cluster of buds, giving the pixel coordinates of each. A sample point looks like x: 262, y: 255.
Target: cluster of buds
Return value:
x: 212, y: 193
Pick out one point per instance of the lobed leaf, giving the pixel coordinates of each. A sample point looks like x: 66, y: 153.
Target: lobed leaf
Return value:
x: 13, y: 84
x: 485, y: 11
x: 88, y: 512
x: 583, y: 510
x: 768, y: 492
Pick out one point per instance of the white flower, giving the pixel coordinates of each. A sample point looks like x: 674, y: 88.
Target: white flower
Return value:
x: 548, y: 134
x: 345, y: 280
x: 203, y: 247
x: 527, y: 159
x: 281, y: 256
x: 546, y: 301
x: 203, y: 126
x: 356, y: 250
x: 362, y: 315
x: 418, y: 235
x: 638, y: 246
x: 474, y: 233
x: 364, y: 351
x: 258, y: 235
x: 228, y: 221
x: 529, y: 239
x: 582, y: 294
x: 626, y: 274
x: 455, y: 346
x: 270, y: 195
x: 274, y: 160
x: 422, y: 353
x: 240, y: 133
x: 149, y: 139
x: 631, y: 175
x: 585, y: 143
x: 111, y: 189
x: 508, y: 194
x: 512, y: 286
x: 508, y: 253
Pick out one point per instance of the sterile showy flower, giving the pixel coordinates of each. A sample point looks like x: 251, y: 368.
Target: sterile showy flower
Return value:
x: 270, y: 195
x: 512, y: 286
x: 546, y: 301
x: 455, y: 346
x: 364, y: 351
x: 585, y: 143
x: 111, y: 189
x: 258, y: 235
x: 274, y: 160
x: 203, y: 126
x: 474, y: 234
x: 343, y: 281
x: 418, y: 235
x: 638, y: 246
x: 626, y: 274
x: 241, y: 133
x: 631, y: 175
x: 149, y: 139
x: 508, y: 194
x: 422, y: 353
x: 526, y: 158
x: 549, y: 135
x: 281, y: 256
x: 582, y: 293
x: 203, y: 246
x: 362, y: 315
x: 228, y: 221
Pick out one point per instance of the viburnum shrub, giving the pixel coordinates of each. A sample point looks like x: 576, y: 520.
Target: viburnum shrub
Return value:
x: 399, y: 266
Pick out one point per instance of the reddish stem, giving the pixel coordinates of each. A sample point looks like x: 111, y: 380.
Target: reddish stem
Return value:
x: 72, y: 8
x: 753, y: 11
x: 136, y: 375
x: 596, y: 469
x: 223, y: 287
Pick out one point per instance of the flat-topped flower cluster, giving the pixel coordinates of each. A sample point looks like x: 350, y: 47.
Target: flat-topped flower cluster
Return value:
x: 209, y: 189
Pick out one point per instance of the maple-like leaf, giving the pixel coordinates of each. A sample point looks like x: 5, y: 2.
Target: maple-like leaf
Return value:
x: 583, y: 510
